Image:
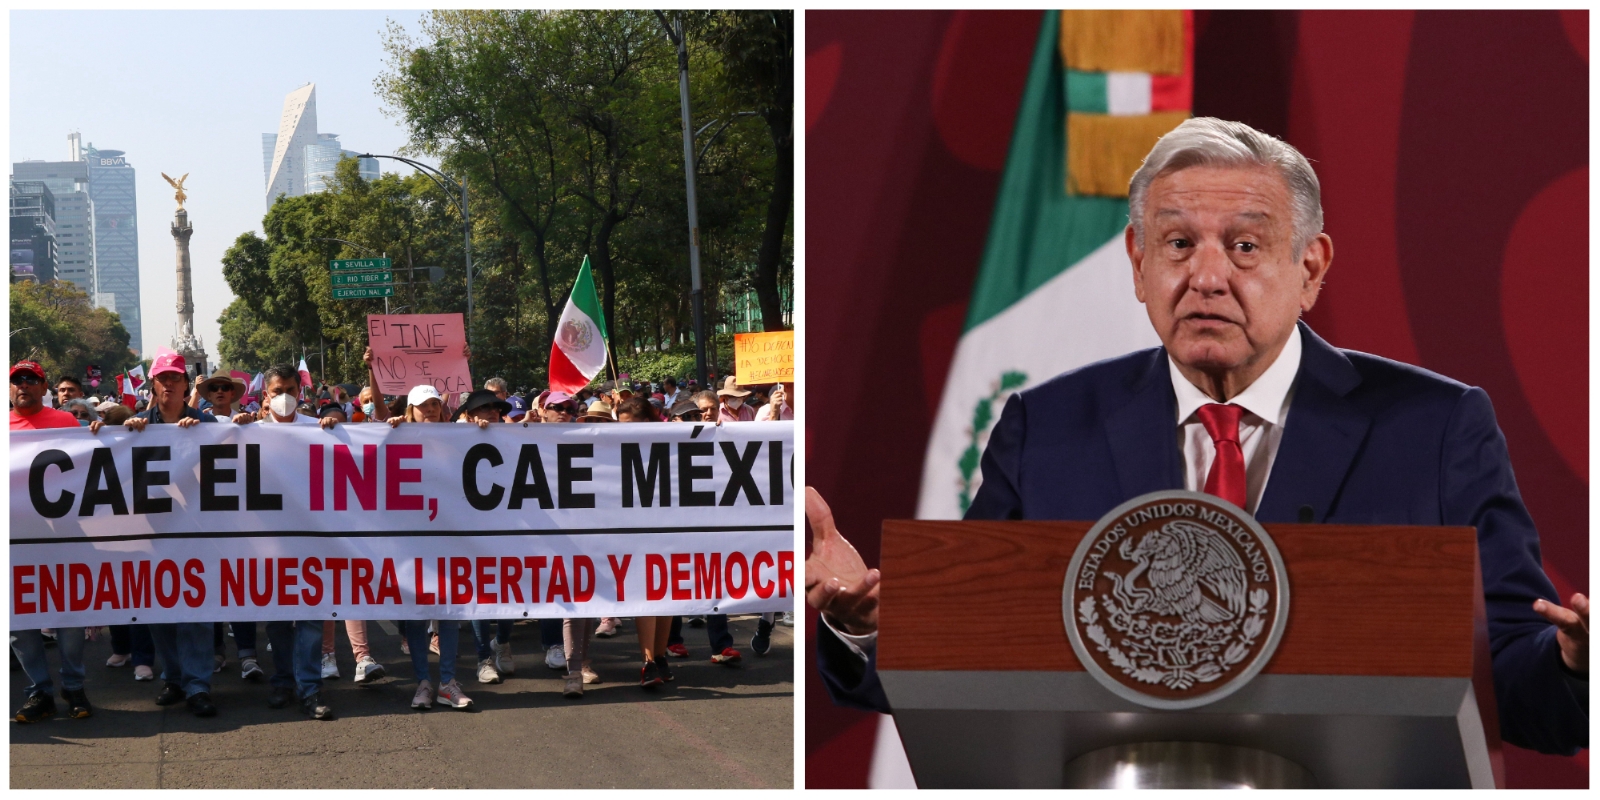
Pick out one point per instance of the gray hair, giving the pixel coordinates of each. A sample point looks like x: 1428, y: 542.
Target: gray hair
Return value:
x: 79, y: 402
x: 1212, y: 142
x: 495, y: 384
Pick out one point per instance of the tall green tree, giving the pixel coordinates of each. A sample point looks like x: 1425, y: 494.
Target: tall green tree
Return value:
x: 56, y: 325
x: 757, y: 55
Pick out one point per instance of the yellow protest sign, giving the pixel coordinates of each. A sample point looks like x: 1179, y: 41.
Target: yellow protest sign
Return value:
x: 762, y: 358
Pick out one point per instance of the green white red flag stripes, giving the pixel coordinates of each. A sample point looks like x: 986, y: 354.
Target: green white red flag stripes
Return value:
x: 1054, y: 290
x: 578, y: 353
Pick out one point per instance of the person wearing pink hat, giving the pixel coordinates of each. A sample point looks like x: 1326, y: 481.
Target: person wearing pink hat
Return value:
x: 184, y: 648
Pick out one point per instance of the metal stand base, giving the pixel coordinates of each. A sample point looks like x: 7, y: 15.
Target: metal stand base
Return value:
x: 1184, y: 765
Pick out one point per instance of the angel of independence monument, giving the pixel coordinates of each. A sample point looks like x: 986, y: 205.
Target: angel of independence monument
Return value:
x: 184, y: 341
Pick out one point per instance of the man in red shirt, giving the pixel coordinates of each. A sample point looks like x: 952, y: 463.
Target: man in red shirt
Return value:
x: 28, y: 411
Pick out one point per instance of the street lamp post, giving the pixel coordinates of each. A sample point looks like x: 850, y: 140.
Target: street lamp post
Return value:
x: 466, y: 220
x: 697, y: 292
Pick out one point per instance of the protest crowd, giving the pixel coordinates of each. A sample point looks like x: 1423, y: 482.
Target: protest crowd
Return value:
x: 302, y: 652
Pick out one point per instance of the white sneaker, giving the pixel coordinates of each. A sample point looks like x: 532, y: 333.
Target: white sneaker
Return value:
x: 787, y: 619
x: 330, y: 666
x: 424, y: 696
x: 555, y: 657
x: 451, y: 695
x: 368, y: 670
x: 487, y: 672
x: 589, y: 675
x: 144, y: 672
x: 502, y: 658
x: 249, y: 670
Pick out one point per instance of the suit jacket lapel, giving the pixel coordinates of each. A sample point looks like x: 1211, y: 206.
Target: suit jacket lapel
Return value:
x: 1143, y: 433
x: 1320, y: 439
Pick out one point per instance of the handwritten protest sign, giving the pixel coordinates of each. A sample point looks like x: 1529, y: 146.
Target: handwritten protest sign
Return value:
x: 414, y: 349
x: 764, y: 357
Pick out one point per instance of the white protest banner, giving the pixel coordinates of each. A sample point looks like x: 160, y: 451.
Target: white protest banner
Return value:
x: 423, y: 521
x: 411, y: 350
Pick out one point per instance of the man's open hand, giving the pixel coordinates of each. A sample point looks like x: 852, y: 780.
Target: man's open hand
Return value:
x: 838, y: 583
x: 1572, y: 629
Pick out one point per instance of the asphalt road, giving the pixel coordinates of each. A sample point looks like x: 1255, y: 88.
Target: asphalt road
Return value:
x: 714, y: 727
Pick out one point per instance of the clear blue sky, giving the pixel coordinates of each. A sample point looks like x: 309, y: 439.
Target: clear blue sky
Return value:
x: 192, y: 91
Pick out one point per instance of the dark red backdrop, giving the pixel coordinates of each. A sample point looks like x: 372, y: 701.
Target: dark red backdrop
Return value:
x: 1453, y: 153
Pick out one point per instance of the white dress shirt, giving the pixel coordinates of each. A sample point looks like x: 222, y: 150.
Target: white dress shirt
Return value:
x: 1266, y: 406
x: 1266, y: 409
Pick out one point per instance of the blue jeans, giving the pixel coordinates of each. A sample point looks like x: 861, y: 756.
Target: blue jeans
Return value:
x: 449, y: 643
x: 550, y: 633
x: 244, y: 638
x: 185, y: 652
x: 296, y: 656
x: 481, y: 634
x: 135, y: 641
x: 29, y: 647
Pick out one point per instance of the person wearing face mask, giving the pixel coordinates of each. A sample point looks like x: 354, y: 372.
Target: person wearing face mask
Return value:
x: 373, y: 408
x: 732, y: 408
x: 296, y: 645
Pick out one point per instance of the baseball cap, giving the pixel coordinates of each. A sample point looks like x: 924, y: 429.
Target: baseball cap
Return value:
x: 519, y: 407
x: 422, y: 394
x: 556, y: 397
x: 169, y: 362
x: 28, y: 366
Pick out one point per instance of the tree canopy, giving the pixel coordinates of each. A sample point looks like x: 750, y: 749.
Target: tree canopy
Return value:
x: 566, y: 128
x: 56, y: 325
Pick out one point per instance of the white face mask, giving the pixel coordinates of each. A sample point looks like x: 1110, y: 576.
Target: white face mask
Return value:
x: 283, y: 405
x: 735, y: 402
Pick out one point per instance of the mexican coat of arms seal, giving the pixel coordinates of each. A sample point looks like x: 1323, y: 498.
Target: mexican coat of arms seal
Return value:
x: 1175, y: 599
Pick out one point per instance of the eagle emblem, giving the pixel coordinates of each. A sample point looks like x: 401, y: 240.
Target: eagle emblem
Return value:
x: 1175, y: 599
x: 575, y: 336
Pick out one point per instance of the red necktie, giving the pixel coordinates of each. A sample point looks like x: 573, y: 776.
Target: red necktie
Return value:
x: 1226, y: 479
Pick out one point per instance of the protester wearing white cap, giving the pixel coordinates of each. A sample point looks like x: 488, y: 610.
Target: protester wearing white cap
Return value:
x: 423, y: 404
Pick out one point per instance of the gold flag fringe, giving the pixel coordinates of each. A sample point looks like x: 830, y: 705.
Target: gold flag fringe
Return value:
x: 1104, y: 151
x: 1126, y: 40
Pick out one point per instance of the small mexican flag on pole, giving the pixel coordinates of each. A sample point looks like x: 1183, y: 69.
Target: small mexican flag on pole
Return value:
x: 579, y: 351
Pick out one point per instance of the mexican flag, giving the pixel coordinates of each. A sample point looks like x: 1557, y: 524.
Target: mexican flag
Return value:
x: 305, y: 380
x: 1055, y: 289
x: 125, y: 387
x: 579, y: 351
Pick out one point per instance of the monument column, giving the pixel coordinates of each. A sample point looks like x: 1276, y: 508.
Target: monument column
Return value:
x: 185, y: 343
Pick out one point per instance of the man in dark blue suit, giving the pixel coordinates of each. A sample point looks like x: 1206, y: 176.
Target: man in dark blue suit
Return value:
x: 1245, y: 402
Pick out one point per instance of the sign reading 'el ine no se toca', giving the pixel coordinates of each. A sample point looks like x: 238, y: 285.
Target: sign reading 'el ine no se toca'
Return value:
x: 761, y: 358
x: 414, y: 349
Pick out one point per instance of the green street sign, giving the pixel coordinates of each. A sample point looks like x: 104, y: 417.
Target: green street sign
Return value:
x: 361, y: 278
x: 358, y: 264
x: 362, y: 292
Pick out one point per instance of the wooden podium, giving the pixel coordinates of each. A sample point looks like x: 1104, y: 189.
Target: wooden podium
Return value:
x: 1382, y: 678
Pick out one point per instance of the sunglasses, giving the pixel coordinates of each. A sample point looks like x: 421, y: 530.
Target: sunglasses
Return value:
x: 24, y: 379
x: 219, y: 387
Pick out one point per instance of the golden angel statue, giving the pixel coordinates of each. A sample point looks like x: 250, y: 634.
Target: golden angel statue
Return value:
x: 178, y: 184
